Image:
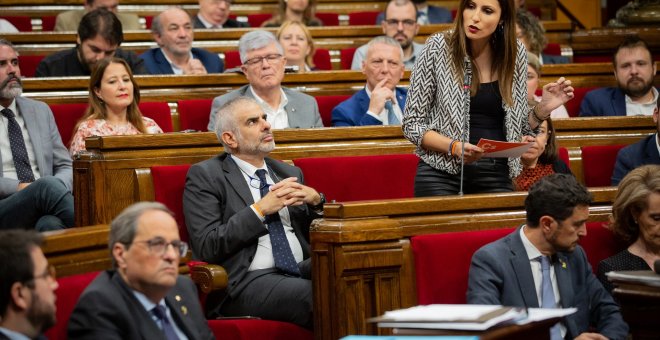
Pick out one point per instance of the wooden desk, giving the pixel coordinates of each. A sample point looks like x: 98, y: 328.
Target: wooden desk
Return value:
x: 116, y: 171
x: 640, y: 305
x: 362, y: 257
x: 539, y: 330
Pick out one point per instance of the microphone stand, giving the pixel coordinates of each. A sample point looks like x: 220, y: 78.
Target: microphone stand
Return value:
x: 467, y: 81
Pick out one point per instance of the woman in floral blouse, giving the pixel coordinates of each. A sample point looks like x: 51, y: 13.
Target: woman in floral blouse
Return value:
x: 113, y: 105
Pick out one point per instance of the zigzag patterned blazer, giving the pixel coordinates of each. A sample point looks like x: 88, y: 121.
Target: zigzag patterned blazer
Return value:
x: 436, y: 102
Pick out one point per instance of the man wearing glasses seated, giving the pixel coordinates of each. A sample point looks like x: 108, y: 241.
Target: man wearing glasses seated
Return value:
x: 263, y: 65
x: 251, y: 214
x: 143, y: 297
x: 27, y: 286
x: 400, y: 24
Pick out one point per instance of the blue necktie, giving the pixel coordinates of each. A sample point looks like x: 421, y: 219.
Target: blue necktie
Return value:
x: 548, y: 295
x: 166, y: 326
x: 18, y: 149
x: 391, y: 116
x: 282, y: 253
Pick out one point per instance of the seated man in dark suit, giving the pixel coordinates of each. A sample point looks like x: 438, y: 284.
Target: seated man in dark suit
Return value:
x: 143, y: 297
x: 215, y: 14
x: 99, y: 36
x: 646, y: 151
x: 263, y: 65
x: 541, y: 264
x: 634, y: 71
x: 173, y: 32
x: 380, y: 102
x: 35, y: 168
x: 27, y: 288
x: 251, y: 214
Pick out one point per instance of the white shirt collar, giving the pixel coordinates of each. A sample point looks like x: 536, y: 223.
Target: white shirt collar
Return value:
x: 206, y: 23
x: 13, y: 335
x: 532, y: 251
x: 175, y: 68
x: 12, y: 107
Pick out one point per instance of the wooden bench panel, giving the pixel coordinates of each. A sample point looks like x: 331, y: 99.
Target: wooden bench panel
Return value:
x: 106, y: 179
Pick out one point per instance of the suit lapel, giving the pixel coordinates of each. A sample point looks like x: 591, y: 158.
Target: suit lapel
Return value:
x: 236, y: 180
x: 363, y: 101
x: 619, y: 103
x: 401, y: 98
x: 162, y: 63
x: 651, y: 155
x: 146, y: 324
x: 564, y: 281
x: 31, y: 123
x: 523, y: 271
x: 290, y: 109
x: 179, y: 309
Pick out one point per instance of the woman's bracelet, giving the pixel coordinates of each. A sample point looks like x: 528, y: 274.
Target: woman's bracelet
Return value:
x: 535, y: 115
x: 450, y: 151
x: 453, y: 147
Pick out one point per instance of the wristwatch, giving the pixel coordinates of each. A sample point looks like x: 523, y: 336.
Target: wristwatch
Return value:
x: 319, y: 206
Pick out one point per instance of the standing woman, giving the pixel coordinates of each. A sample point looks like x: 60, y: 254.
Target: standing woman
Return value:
x: 113, y: 105
x: 439, y: 115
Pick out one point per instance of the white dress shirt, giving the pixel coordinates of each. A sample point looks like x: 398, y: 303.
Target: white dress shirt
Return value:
x: 278, y: 118
x: 8, y: 167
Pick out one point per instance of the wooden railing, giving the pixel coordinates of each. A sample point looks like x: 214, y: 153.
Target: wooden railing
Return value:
x: 362, y: 260
x: 116, y: 170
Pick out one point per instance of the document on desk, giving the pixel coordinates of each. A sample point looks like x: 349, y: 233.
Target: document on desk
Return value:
x: 499, y: 149
x: 463, y: 317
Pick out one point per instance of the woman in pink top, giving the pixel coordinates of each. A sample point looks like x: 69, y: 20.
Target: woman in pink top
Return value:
x: 113, y: 105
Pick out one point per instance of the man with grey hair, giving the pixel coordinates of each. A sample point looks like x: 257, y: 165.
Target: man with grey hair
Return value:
x: 35, y: 167
x: 173, y: 31
x: 401, y: 25
x: 263, y: 65
x: 251, y: 214
x: 143, y: 296
x: 381, y: 102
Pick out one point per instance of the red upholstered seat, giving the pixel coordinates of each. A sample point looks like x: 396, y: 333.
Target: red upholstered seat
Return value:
x: 600, y: 243
x: 329, y: 19
x: 29, y: 64
x: 21, y: 22
x: 361, y: 177
x: 232, y: 59
x: 169, y: 182
x: 247, y: 329
x: 48, y: 23
x: 552, y: 49
x: 573, y: 105
x: 194, y: 114
x: 326, y: 104
x: 346, y: 57
x: 66, y: 118
x: 442, y: 263
x: 67, y: 294
x: 159, y: 112
x: 598, y: 164
x: 322, y: 59
x: 363, y: 18
x: 257, y: 19
x: 563, y: 155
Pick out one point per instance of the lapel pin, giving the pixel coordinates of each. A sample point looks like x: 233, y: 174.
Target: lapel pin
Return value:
x: 563, y: 264
x: 184, y: 310
x: 178, y: 297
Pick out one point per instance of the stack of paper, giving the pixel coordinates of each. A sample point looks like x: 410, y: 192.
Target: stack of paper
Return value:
x: 465, y: 317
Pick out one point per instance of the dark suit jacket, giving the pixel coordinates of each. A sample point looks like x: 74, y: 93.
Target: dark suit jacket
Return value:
x: 230, y: 23
x: 223, y: 228
x: 155, y: 61
x: 65, y: 63
x: 108, y: 309
x: 635, y: 155
x: 554, y: 59
x: 608, y: 101
x: 302, y: 109
x: 353, y: 111
x: 500, y: 274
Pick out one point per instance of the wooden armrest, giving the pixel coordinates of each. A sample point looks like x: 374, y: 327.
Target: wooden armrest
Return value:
x: 209, y: 277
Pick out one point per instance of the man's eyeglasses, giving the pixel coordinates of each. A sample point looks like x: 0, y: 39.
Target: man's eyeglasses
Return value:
x: 270, y: 58
x: 408, y: 23
x: 48, y: 273
x: 158, y: 246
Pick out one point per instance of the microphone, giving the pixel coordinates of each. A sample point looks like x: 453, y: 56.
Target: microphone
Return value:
x: 467, y: 81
